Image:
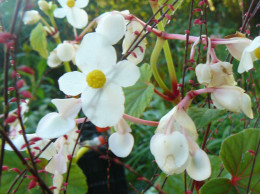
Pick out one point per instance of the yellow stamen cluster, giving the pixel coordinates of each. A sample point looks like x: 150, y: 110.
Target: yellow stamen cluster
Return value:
x: 96, y: 79
x: 70, y: 3
x: 257, y: 53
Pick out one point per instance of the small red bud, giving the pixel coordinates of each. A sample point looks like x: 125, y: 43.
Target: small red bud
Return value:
x: 27, y: 159
x: 15, y: 170
x: 191, y: 81
x: 4, y: 168
x: 35, y: 139
x: 190, y: 68
x: 65, y: 136
x: 52, y: 188
x: 10, y: 119
x: 197, y: 10
x: 136, y: 33
x: 187, y: 32
x: 10, y: 88
x: 20, y: 83
x: 134, y: 54
x: 139, y: 178
x: 252, y: 152
x: 38, y: 160
x: 155, y: 21
x: 141, y: 49
x: 65, y: 184
x: 27, y: 69
x: 201, y: 3
x: 32, y: 184
x: 171, y: 7
x: 13, y: 100
x: 36, y: 148
x: 77, y: 131
x: 26, y: 94
x: 168, y: 16
x: 69, y: 157
x: 12, y: 62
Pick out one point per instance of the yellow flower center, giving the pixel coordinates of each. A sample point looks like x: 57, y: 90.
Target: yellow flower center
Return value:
x: 70, y: 3
x: 257, y: 53
x: 96, y: 79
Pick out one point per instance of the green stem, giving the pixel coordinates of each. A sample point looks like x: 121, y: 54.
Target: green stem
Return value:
x: 67, y: 66
x: 46, y: 24
x: 166, y: 47
x: 153, y: 61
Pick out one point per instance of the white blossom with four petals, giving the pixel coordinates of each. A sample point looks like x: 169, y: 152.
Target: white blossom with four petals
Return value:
x: 101, y: 80
x: 73, y: 11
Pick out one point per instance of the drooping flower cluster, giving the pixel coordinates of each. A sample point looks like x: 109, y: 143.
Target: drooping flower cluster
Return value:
x: 175, y: 149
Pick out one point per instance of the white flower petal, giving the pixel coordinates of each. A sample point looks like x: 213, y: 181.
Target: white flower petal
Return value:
x: 112, y: 26
x: 104, y: 107
x: 254, y: 45
x: 49, y: 152
x: 199, y: 167
x: 171, y: 152
x: 121, y: 144
x: 236, y: 49
x: 68, y: 108
x: 65, y: 51
x: 57, y: 182
x: 125, y: 73
x: 203, y: 74
x: 19, y: 142
x: 57, y: 164
x: 63, y: 3
x: 53, y: 125
x: 95, y: 52
x: 60, y: 12
x: 246, y: 106
x: 228, y: 97
x: 185, y: 121
x: 81, y: 3
x: 246, y: 62
x: 53, y: 60
x: 72, y: 83
x: 122, y: 127
x: 138, y: 55
x: 77, y: 17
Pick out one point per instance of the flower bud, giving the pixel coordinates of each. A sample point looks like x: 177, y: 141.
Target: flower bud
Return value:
x: 31, y: 17
x: 214, y: 75
x: 65, y: 51
x: 43, y: 5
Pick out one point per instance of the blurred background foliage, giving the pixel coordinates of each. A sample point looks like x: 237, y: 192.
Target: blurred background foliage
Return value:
x: 223, y: 18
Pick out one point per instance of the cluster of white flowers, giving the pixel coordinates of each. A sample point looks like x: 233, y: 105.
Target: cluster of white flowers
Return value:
x: 99, y: 81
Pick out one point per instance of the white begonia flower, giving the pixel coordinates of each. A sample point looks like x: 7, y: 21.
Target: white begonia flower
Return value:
x: 245, y: 50
x: 31, y: 17
x: 112, y: 26
x: 56, y: 124
x: 19, y: 143
x: 73, y: 11
x: 233, y: 99
x: 214, y: 75
x: 64, y: 52
x: 122, y: 141
x: 175, y: 149
x: 101, y: 80
x: 138, y: 54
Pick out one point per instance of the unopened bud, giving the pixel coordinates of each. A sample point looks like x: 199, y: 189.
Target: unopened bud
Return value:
x: 43, y: 5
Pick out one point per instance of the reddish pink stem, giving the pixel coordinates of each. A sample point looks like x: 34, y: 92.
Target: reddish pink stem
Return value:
x: 140, y: 121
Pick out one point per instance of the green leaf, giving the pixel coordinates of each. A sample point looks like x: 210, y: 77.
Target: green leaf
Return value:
x: 12, y: 161
x: 203, y: 116
x: 218, y: 186
x: 216, y: 165
x: 77, y: 183
x: 238, y: 160
x: 174, y: 184
x: 139, y: 96
x: 38, y: 40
